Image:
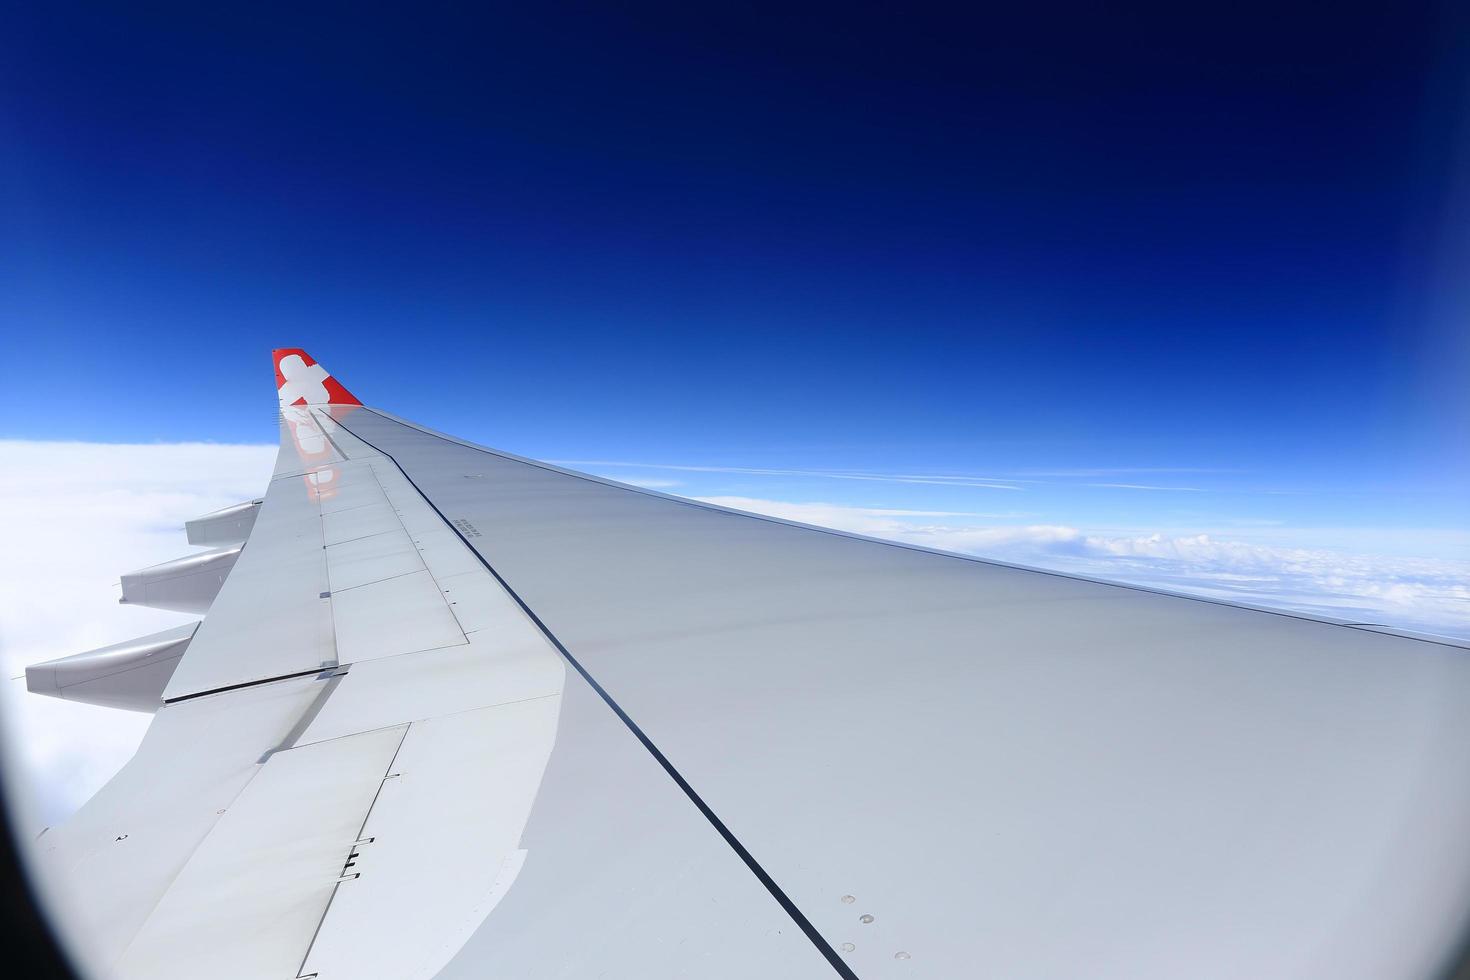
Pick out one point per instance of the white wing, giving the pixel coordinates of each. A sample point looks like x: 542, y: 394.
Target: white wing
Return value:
x: 457, y: 713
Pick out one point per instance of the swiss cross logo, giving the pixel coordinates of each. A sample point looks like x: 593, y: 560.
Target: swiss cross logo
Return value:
x: 300, y: 380
x: 305, y: 383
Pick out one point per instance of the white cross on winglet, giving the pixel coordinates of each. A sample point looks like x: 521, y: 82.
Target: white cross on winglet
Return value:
x: 303, y: 380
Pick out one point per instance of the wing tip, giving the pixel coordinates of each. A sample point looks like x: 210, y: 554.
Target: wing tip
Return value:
x: 301, y: 380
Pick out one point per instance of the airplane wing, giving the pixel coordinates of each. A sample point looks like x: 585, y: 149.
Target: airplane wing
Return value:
x: 454, y: 713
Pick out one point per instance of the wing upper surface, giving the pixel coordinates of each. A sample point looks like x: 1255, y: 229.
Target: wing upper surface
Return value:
x: 1008, y: 769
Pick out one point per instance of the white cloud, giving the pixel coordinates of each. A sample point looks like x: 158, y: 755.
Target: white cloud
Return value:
x: 983, y: 482
x: 1417, y: 593
x: 74, y: 517
x: 1145, y: 486
x: 651, y: 482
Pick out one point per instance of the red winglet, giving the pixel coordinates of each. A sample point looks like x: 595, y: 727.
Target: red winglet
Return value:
x: 300, y: 380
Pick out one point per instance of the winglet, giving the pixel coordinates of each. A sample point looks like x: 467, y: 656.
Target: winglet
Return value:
x: 300, y: 380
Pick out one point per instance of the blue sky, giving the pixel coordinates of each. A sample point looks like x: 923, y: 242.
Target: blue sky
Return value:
x: 1162, y: 272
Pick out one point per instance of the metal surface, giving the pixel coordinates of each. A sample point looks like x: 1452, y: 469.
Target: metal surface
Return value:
x: 496, y: 667
x: 248, y: 901
x: 272, y: 619
x: 187, y: 584
x: 229, y: 525
x: 623, y: 878
x: 371, y: 559
x: 117, y: 857
x: 399, y: 615
x: 447, y: 831
x: 129, y: 675
x: 1012, y: 771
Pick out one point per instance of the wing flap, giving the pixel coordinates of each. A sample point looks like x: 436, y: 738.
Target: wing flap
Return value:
x: 447, y: 832
x: 253, y: 893
x: 117, y: 857
x: 374, y: 558
x: 399, y: 615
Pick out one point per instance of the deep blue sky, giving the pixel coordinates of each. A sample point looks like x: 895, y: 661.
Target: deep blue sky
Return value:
x: 1227, y: 246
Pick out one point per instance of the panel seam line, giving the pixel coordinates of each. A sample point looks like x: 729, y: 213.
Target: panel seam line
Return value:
x: 775, y: 890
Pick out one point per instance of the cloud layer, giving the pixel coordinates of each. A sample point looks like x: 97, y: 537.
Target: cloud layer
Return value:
x: 74, y: 517
x: 1426, y: 594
